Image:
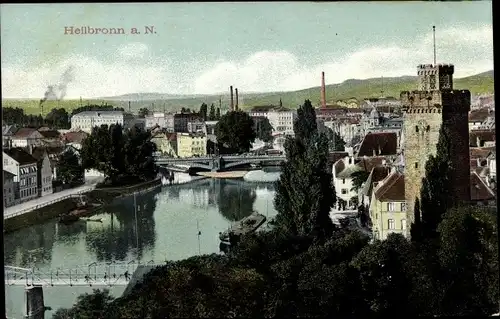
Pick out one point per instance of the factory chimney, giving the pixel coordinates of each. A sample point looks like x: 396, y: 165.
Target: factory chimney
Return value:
x: 236, y: 92
x: 323, y: 90
x: 231, y: 107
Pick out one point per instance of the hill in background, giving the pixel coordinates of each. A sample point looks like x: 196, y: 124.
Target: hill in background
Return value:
x: 358, y: 89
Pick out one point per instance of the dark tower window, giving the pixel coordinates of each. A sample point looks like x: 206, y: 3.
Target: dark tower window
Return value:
x: 428, y: 128
x: 416, y: 129
x: 416, y: 164
x: 432, y: 82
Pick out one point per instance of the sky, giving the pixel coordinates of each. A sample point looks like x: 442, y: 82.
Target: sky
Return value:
x: 203, y: 48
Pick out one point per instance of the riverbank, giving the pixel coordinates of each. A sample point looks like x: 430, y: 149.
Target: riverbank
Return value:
x: 102, y: 196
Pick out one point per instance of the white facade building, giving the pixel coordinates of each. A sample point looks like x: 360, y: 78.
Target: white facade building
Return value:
x: 85, y: 121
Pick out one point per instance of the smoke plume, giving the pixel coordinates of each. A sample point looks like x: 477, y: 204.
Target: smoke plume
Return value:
x: 58, y: 92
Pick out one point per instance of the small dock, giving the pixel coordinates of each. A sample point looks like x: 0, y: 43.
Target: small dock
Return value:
x: 247, y: 225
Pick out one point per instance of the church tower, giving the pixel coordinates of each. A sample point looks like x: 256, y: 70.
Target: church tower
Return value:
x: 435, y: 103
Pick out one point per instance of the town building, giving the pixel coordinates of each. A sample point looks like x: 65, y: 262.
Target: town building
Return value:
x: 181, y: 121
x: 388, y: 207
x: 482, y: 138
x: 24, y: 167
x: 196, y: 126
x: 378, y: 144
x: 426, y: 110
x: 160, y: 119
x: 85, y: 121
x: 75, y: 139
x: 27, y: 137
x: 7, y: 132
x: 478, y: 117
x: 8, y: 189
x: 191, y: 144
x: 166, y: 143
x: 44, y: 171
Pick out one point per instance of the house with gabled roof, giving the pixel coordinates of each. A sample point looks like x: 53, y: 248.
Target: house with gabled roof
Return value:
x: 44, y: 176
x: 378, y: 144
x: 388, y: 206
x: 24, y: 167
x: 27, y: 137
x: 481, y: 194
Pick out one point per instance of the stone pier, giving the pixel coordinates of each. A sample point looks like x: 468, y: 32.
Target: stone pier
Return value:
x: 35, y: 308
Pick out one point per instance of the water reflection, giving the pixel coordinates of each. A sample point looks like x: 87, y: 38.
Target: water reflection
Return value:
x: 31, y: 247
x: 125, y: 229
x: 234, y: 199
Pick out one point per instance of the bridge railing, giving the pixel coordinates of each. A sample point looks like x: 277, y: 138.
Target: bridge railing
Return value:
x: 92, y: 274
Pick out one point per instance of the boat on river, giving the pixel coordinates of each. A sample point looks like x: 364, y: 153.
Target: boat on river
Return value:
x: 247, y: 225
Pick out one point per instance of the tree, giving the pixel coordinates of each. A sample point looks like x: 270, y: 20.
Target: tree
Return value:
x: 358, y: 178
x: 69, y: 169
x: 123, y: 158
x: 93, y: 305
x: 305, y: 126
x: 211, y: 115
x: 304, y: 192
x: 143, y: 112
x: 468, y: 257
x: 235, y: 131
x: 436, y: 195
x: 336, y: 143
x: 217, y: 114
x: 58, y: 119
x: 263, y: 130
x: 204, y: 111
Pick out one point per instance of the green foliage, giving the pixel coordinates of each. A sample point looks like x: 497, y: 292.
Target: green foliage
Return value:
x: 263, y: 130
x: 211, y: 114
x: 235, y: 131
x: 217, y: 114
x: 436, y: 195
x: 123, y: 158
x: 143, y: 112
x: 69, y: 168
x: 204, y: 111
x: 87, y: 306
x: 304, y: 192
x: 337, y: 144
x: 358, y: 178
x: 58, y: 119
x: 94, y: 107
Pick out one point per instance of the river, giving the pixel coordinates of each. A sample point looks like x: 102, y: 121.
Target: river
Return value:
x: 171, y: 223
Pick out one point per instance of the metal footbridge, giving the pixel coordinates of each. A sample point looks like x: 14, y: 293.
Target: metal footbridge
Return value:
x: 216, y: 163
x: 95, y: 274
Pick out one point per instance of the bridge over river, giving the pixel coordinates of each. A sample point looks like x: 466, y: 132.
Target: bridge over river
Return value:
x: 95, y: 274
x: 216, y: 163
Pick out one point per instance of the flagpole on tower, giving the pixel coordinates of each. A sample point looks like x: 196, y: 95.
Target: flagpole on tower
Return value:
x: 434, y: 41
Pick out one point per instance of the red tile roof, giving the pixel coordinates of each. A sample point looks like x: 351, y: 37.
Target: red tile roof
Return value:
x: 49, y: 133
x: 20, y: 155
x: 378, y: 143
x: 479, y: 115
x: 479, y: 152
x: 377, y: 174
x: 368, y: 163
x: 24, y: 132
x: 482, y: 135
x: 392, y: 189
x: 479, y: 191
x: 75, y: 137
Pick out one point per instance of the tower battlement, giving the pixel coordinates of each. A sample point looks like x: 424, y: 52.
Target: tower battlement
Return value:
x: 437, y: 77
x: 453, y: 100
x: 427, y: 69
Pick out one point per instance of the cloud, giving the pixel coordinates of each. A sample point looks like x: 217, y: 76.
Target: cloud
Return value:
x: 137, y: 69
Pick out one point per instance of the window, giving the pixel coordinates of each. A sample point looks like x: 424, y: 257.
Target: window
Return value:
x: 416, y: 129
x: 343, y: 181
x: 391, y: 207
x: 403, y: 207
x: 344, y: 191
x: 403, y: 224
x: 390, y: 224
x: 416, y: 164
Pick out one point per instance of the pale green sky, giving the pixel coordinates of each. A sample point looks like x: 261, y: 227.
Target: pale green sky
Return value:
x: 205, y: 47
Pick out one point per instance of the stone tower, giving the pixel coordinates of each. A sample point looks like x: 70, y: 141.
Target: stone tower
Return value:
x: 435, y: 103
